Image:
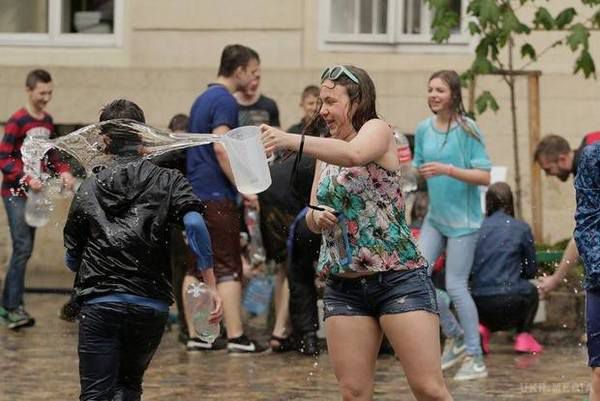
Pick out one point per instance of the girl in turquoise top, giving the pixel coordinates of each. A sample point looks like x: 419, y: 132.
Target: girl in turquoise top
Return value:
x: 450, y: 154
x: 377, y: 280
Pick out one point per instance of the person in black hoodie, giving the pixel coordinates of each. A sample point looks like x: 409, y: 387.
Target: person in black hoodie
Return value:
x: 117, y: 240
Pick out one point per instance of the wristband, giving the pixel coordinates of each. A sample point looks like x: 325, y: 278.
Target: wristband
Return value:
x: 450, y: 170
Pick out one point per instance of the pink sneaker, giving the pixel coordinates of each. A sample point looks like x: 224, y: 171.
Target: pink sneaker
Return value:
x: 525, y: 342
x: 485, y: 334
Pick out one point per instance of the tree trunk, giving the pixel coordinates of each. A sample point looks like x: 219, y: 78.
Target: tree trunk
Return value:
x: 515, y: 132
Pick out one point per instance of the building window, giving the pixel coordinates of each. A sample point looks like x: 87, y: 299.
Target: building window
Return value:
x: 381, y: 24
x: 61, y: 22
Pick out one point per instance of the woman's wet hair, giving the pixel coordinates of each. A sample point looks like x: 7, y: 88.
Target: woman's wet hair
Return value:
x: 362, y: 95
x: 458, y: 112
x: 499, y: 197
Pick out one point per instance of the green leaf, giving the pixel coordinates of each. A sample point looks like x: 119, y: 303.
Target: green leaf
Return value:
x: 466, y: 77
x: 443, y: 21
x: 482, y: 65
x: 485, y: 100
x: 585, y: 64
x: 578, y: 37
x: 474, y: 28
x: 543, y: 18
x: 440, y: 34
x: 528, y: 51
x: 489, y: 12
x: 596, y: 19
x: 565, y: 17
x: 510, y: 22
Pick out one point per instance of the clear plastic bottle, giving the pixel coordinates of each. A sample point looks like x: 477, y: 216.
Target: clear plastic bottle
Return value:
x: 38, y: 208
x: 256, y: 249
x: 40, y: 205
x: 409, y: 178
x: 201, y: 303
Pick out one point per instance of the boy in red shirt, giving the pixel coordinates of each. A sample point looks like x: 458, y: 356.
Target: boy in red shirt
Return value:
x: 32, y: 119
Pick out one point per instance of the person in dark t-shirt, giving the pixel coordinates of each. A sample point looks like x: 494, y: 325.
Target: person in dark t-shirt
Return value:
x: 256, y: 108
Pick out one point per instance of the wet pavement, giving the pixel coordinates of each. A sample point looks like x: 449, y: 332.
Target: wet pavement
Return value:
x: 40, y: 363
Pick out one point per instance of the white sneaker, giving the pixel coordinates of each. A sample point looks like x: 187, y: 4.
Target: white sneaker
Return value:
x: 473, y: 367
x: 454, y: 351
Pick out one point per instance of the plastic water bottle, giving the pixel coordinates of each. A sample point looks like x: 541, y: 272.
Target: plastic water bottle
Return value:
x: 256, y: 249
x: 409, y: 178
x: 201, y: 303
x: 38, y: 208
x: 40, y: 204
x: 257, y: 295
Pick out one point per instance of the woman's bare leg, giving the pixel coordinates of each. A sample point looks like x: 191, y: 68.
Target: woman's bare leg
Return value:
x: 353, y: 344
x: 415, y: 338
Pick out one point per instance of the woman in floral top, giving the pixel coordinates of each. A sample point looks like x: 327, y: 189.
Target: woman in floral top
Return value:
x: 376, y: 277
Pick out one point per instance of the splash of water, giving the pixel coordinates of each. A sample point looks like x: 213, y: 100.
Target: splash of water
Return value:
x: 98, y: 145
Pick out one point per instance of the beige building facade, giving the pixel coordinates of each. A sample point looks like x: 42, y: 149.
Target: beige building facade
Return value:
x: 162, y: 54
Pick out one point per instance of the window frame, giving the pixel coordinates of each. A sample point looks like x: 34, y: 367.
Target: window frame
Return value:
x: 394, y: 40
x: 55, y: 38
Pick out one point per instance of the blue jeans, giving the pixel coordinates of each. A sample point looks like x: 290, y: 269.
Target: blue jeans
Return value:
x: 116, y: 344
x: 460, y: 252
x: 22, y: 237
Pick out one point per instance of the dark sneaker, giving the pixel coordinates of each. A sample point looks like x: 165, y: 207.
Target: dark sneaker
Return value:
x: 282, y: 344
x: 18, y: 318
x: 196, y: 344
x: 244, y: 345
x: 309, y: 344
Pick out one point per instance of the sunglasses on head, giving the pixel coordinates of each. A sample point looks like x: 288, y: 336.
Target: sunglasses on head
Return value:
x: 335, y: 72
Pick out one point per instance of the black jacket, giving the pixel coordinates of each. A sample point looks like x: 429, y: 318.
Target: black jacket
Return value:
x: 118, y: 228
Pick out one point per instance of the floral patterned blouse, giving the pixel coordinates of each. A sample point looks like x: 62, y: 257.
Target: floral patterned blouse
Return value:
x: 370, y: 199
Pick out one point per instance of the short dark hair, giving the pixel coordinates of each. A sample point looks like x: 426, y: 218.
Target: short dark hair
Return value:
x: 122, y: 108
x: 499, y: 197
x: 310, y: 90
x: 35, y: 76
x: 234, y: 56
x: 179, y: 122
x: 119, y: 137
x: 550, y: 147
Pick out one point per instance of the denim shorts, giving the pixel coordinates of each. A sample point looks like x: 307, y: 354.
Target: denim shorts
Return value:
x: 380, y: 294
